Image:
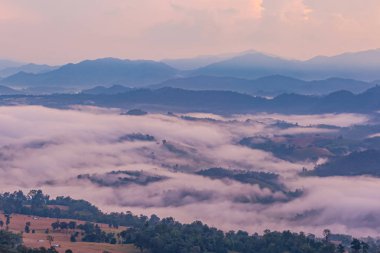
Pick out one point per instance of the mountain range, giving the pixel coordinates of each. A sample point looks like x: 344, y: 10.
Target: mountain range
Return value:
x: 201, y: 61
x: 4, y: 63
x: 4, y: 90
x: 360, y: 65
x: 101, y: 90
x: 27, y: 68
x: 267, y: 86
x: 89, y: 73
x: 222, y: 102
x: 249, y: 72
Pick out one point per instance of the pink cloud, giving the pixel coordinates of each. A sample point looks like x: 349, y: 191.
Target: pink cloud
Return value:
x: 172, y: 28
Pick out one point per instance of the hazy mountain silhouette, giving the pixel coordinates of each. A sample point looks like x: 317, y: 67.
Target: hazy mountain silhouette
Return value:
x: 366, y: 59
x: 201, y: 61
x: 193, y: 63
x: 252, y: 65
x: 107, y: 71
x: 223, y: 102
x: 27, y: 68
x: 4, y: 90
x: 98, y: 90
x: 207, y: 83
x: 362, y: 65
x: 9, y: 64
x: 267, y: 86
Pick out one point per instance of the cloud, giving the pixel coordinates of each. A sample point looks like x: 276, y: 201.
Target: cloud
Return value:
x: 236, y: 9
x: 175, y: 28
x: 48, y: 148
x: 341, y: 120
x: 257, y: 8
x: 295, y: 11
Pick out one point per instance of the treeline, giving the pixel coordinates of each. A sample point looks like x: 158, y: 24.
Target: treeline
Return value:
x: 162, y: 236
x: 169, y: 236
x: 121, y: 178
x: 90, y: 232
x: 38, y: 204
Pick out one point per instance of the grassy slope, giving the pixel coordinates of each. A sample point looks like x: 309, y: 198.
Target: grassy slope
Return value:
x: 62, y: 237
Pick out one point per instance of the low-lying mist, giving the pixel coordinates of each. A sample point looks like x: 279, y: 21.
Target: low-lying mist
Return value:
x: 147, y: 164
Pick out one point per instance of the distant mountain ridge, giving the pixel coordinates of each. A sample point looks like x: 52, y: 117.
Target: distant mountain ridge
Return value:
x: 193, y: 63
x: 249, y: 65
x: 99, y: 90
x: 363, y: 65
x: 4, y: 90
x: 201, y: 61
x: 222, y: 102
x: 4, y: 63
x: 367, y: 58
x: 267, y: 86
x: 27, y: 68
x: 89, y: 73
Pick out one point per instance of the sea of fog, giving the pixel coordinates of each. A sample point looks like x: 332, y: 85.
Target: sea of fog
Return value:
x: 48, y: 148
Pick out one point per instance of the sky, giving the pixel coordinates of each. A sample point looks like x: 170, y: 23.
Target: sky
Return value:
x: 57, y: 32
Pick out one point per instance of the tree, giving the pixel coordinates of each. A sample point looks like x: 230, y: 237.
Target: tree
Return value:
x: 356, y: 245
x: 52, y: 250
x: 55, y: 225
x: 68, y: 251
x: 37, y: 199
x: 365, y: 247
x: 326, y: 234
x: 340, y: 249
x: 50, y: 239
x: 154, y: 219
x: 9, y: 241
x: 72, y: 225
x: 27, y: 229
x: 7, y: 220
x: 73, y: 238
x: 1, y: 223
x: 63, y: 225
